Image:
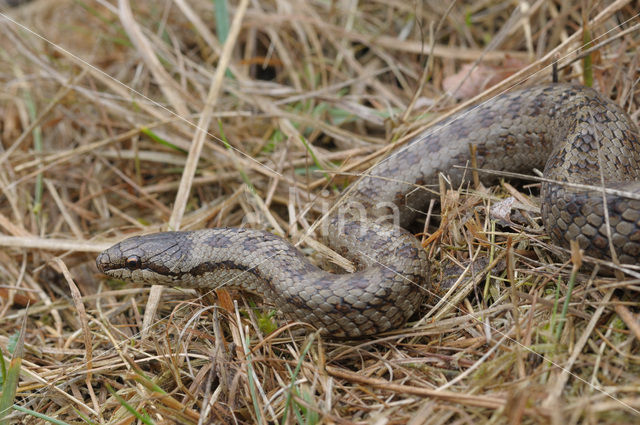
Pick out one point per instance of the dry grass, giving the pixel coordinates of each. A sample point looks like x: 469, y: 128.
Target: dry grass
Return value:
x: 104, y: 114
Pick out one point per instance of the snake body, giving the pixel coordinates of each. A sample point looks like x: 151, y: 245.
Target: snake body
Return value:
x: 578, y: 136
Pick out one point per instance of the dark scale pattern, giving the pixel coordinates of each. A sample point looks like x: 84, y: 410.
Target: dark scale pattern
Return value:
x: 587, y: 139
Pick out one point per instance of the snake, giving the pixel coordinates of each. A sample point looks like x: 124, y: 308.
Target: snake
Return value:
x: 590, y: 193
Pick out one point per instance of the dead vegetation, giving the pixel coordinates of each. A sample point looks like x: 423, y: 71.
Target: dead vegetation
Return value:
x: 128, y: 117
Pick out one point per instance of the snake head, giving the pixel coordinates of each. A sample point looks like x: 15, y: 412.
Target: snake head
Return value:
x: 149, y: 259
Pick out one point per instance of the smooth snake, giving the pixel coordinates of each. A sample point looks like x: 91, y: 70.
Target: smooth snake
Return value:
x: 578, y: 136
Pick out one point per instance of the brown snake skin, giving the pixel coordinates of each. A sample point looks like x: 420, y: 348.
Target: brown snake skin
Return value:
x: 587, y: 139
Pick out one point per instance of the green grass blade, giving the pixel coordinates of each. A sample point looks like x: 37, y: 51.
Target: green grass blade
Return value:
x: 37, y: 147
x: 10, y: 384
x: 252, y: 384
x: 3, y: 370
x: 222, y: 19
x: 221, y: 11
x: 84, y: 417
x: 153, y: 136
x: 144, y: 418
x: 294, y: 376
x: 142, y: 379
x: 565, y: 306
x: 39, y: 415
x: 314, y: 157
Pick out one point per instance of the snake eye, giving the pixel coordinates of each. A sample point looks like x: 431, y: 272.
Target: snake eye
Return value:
x: 133, y: 262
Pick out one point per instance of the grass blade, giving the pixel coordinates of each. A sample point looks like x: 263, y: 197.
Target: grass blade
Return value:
x: 10, y: 384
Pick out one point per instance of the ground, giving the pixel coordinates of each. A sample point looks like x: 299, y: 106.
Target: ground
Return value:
x: 264, y: 111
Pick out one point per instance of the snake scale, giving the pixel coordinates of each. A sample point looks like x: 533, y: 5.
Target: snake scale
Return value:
x: 574, y: 133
